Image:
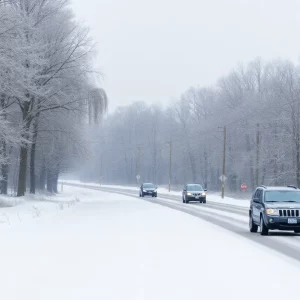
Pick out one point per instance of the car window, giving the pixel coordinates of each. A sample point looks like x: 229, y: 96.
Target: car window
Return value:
x: 282, y: 196
x: 194, y: 187
x: 257, y: 194
x: 260, y: 196
x: 254, y: 195
x: 148, y: 185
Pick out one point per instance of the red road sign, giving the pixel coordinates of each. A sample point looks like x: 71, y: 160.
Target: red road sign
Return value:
x: 244, y: 186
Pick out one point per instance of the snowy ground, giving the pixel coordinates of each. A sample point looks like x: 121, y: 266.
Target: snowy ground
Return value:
x: 118, y: 247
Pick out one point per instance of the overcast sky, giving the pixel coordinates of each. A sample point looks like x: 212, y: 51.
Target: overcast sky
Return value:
x: 153, y: 50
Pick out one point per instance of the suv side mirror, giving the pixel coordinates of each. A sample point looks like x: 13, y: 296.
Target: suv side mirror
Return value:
x: 205, y: 190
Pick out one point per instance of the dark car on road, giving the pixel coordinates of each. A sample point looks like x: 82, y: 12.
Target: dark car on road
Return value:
x: 148, y: 189
x: 275, y: 208
x: 193, y: 192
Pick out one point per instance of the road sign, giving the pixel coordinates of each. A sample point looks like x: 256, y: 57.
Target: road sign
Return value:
x: 223, y: 178
x: 244, y: 186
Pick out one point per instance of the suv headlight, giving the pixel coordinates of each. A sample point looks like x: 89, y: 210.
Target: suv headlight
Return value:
x: 272, y: 212
x: 203, y: 194
x: 189, y: 194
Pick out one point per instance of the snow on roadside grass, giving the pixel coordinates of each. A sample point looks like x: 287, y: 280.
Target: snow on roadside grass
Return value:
x: 134, y: 188
x: 227, y: 200
x: 116, y: 247
x: 17, y: 210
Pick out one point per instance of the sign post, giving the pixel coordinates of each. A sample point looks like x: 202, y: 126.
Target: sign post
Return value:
x: 138, y: 177
x: 224, y: 164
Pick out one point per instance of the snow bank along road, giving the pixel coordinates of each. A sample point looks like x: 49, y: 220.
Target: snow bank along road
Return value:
x: 231, y: 217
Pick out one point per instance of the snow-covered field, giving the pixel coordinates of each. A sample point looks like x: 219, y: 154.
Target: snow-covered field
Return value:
x: 118, y: 247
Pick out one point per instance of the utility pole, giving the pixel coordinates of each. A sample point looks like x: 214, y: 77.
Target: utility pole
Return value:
x: 170, y: 166
x: 224, y: 164
x: 139, y: 163
x: 257, y: 154
x: 205, y: 168
x: 101, y: 169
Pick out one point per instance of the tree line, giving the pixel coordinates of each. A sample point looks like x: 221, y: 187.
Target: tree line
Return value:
x: 48, y: 93
x: 258, y: 103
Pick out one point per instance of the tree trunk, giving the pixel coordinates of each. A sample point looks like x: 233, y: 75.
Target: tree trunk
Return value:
x: 49, y: 181
x: 264, y: 175
x: 22, y: 171
x: 32, y: 169
x: 42, y: 177
x: 52, y: 179
x: 4, y: 166
x: 4, y: 181
x: 32, y: 158
x: 4, y: 170
x: 24, y: 152
x: 55, y: 184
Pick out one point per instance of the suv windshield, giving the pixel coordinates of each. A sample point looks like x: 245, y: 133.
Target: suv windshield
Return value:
x: 282, y: 196
x: 148, y: 185
x: 194, y: 187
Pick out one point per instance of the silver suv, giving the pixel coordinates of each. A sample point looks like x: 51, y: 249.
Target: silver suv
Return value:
x: 275, y: 208
x: 193, y: 192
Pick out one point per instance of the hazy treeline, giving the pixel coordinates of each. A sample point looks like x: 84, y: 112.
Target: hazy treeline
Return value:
x: 47, y: 93
x: 260, y: 106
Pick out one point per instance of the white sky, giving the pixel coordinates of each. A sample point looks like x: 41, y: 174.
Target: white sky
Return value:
x: 153, y: 50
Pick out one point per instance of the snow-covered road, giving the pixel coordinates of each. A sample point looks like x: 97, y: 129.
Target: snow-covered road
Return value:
x: 113, y: 246
x: 232, y: 216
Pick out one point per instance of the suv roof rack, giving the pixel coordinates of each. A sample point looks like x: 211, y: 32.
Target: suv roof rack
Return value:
x: 292, y: 186
x: 263, y: 186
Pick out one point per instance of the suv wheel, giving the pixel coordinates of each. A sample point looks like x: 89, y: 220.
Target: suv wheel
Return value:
x: 252, y: 227
x: 263, y: 228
